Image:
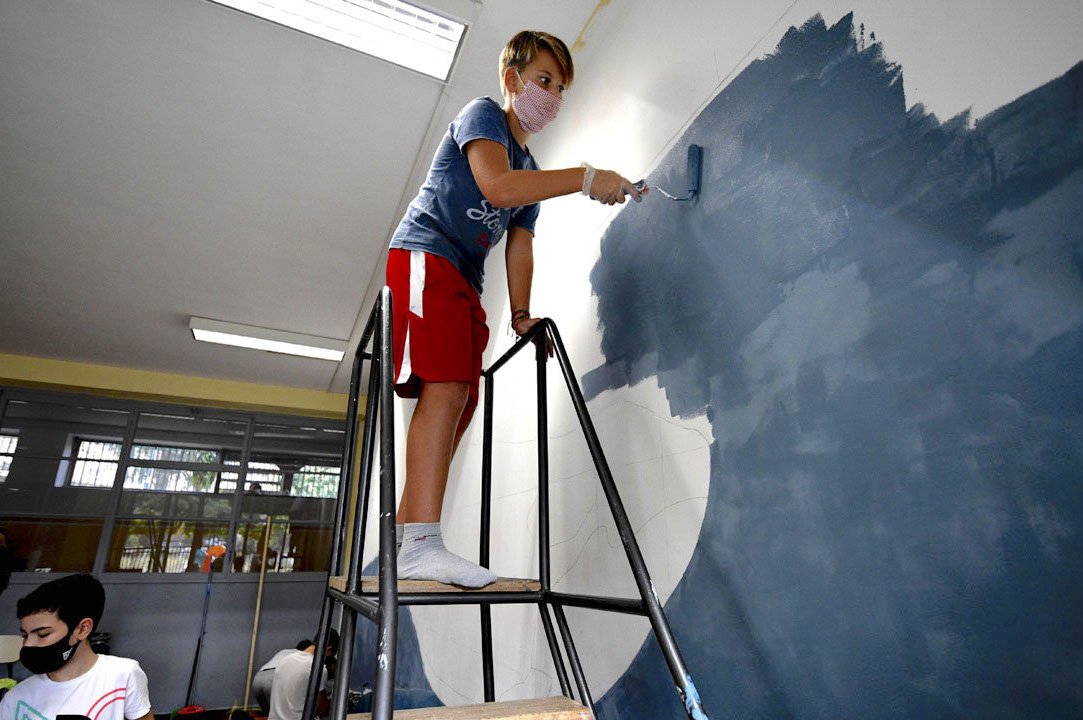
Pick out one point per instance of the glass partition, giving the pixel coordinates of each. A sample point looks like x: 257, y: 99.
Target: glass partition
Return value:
x: 292, y: 478
x: 163, y: 546
x: 99, y: 484
x: 52, y: 544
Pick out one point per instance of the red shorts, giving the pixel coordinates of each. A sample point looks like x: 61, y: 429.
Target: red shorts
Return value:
x: 438, y: 323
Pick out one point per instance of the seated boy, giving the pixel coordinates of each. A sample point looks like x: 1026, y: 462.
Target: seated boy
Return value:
x: 71, y: 679
x: 290, y: 681
x: 261, y: 683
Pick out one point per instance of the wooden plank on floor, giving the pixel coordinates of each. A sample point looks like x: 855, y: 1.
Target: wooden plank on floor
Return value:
x: 550, y: 708
x: 371, y: 584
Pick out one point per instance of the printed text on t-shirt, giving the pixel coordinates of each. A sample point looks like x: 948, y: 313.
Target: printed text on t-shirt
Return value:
x: 487, y: 214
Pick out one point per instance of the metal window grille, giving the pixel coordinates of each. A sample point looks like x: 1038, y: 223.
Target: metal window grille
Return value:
x: 8, y: 443
x: 95, y: 464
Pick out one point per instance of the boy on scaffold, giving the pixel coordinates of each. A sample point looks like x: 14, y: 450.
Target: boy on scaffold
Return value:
x: 483, y: 181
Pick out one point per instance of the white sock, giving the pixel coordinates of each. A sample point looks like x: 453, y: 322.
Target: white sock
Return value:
x: 424, y: 557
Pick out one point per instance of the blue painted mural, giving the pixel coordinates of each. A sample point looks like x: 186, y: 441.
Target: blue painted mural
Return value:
x: 881, y: 315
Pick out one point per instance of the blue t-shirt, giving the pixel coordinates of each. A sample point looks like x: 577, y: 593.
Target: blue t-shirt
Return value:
x: 450, y: 216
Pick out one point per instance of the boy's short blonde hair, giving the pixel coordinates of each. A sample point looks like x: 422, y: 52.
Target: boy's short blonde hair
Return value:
x: 522, y: 49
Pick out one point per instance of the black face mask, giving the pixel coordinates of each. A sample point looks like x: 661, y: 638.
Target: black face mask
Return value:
x: 48, y: 658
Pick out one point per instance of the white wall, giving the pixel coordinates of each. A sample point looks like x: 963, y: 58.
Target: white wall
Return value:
x: 644, y: 72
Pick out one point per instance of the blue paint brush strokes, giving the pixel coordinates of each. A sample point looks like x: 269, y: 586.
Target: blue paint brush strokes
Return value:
x: 881, y: 315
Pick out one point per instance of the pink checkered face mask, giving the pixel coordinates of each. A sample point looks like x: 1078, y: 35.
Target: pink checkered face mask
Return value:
x: 535, y: 106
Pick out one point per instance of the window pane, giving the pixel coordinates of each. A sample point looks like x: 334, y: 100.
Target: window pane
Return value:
x: 318, y: 481
x: 39, y: 486
x: 51, y: 544
x: 169, y: 546
x: 187, y: 435
x: 43, y: 426
x: 175, y: 505
x: 59, y: 462
x: 174, y: 454
x: 96, y: 465
x: 293, y: 547
x: 43, y: 438
x: 262, y: 477
x: 397, y: 31
x: 8, y: 443
x: 168, y: 480
x: 310, y: 443
x: 255, y: 506
x: 293, y: 473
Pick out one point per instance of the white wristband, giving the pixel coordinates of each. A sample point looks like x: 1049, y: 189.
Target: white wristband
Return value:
x: 588, y: 178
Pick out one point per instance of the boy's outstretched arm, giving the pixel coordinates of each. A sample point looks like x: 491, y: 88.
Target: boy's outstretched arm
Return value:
x: 504, y: 187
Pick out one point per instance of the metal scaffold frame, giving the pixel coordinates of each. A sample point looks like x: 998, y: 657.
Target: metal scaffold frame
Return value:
x: 381, y: 606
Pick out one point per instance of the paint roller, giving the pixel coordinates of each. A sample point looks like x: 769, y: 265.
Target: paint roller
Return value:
x: 695, y: 163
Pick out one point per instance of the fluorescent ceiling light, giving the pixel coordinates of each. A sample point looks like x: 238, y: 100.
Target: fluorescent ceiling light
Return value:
x: 258, y: 338
x: 389, y: 29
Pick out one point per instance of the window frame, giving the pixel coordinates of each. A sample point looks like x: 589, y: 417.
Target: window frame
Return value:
x: 310, y: 27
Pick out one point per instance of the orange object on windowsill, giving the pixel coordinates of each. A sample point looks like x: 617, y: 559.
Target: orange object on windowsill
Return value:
x: 213, y: 553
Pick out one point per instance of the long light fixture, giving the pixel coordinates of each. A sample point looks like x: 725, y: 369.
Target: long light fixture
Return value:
x: 392, y: 30
x: 257, y: 338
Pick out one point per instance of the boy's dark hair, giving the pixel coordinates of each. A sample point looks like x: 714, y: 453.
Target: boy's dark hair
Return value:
x: 72, y: 598
x: 332, y: 642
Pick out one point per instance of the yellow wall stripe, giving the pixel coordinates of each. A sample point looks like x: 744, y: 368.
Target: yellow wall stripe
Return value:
x: 26, y: 371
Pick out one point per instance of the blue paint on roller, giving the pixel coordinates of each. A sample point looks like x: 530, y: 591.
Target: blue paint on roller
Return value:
x: 695, y: 173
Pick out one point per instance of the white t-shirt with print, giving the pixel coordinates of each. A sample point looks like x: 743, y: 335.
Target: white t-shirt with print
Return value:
x: 115, y: 688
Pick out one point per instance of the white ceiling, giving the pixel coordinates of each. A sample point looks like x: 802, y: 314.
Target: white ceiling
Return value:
x: 167, y: 158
